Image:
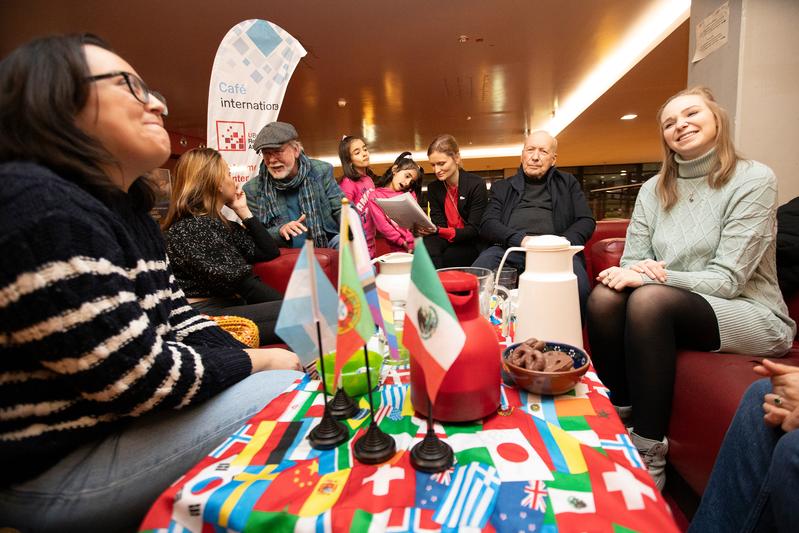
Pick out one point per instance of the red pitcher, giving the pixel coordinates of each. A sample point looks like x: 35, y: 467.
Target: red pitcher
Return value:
x: 471, y: 388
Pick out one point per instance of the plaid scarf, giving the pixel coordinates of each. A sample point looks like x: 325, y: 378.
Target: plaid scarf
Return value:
x: 312, y: 192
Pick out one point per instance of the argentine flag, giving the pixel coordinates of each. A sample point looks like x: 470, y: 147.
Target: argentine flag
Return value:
x: 309, y: 297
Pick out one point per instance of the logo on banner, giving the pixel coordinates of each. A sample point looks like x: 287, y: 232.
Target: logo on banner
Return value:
x: 232, y: 136
x: 251, y: 72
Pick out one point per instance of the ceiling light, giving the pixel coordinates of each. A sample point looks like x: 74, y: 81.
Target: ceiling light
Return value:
x: 468, y: 117
x: 644, y: 35
x: 463, y: 38
x: 341, y: 102
x: 629, y: 116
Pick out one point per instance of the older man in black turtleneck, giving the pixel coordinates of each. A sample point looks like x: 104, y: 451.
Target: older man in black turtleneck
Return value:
x: 538, y: 200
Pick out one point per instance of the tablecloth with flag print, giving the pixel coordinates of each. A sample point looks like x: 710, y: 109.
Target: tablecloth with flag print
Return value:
x: 541, y: 463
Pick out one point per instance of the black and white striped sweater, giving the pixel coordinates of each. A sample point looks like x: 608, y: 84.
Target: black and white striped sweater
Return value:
x: 93, y: 327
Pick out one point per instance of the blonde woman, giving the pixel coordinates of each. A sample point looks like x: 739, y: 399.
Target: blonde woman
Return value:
x: 212, y: 256
x: 698, y: 271
x: 457, y: 202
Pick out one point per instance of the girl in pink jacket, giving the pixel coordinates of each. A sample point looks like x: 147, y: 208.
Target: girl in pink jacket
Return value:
x: 398, y: 179
x: 357, y: 184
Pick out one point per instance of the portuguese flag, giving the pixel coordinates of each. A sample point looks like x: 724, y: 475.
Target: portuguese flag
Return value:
x: 355, y: 324
x: 432, y: 332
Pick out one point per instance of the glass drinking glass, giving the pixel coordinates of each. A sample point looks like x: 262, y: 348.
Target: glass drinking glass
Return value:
x: 398, y: 311
x: 508, y: 277
x: 485, y: 282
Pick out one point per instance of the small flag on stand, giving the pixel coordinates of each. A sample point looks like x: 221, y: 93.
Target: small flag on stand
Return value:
x: 363, y: 264
x: 356, y: 326
x: 432, y: 332
x: 355, y: 323
x: 309, y: 297
x: 305, y: 323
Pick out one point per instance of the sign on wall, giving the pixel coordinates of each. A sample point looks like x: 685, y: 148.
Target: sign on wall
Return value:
x: 252, y: 68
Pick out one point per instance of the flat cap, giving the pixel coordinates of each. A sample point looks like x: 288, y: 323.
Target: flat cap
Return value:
x: 274, y: 135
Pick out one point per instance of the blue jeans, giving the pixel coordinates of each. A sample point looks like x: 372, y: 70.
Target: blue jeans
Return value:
x: 110, y: 484
x: 754, y: 485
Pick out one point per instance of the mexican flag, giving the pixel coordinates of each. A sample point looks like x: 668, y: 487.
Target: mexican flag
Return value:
x: 432, y: 332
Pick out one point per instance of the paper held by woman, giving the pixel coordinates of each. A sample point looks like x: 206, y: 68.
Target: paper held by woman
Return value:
x: 405, y: 211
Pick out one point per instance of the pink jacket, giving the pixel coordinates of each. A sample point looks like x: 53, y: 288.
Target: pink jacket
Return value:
x: 396, y: 235
x: 359, y: 194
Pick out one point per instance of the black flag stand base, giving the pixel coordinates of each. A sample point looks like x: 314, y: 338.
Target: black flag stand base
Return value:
x: 329, y: 433
x: 376, y: 446
x: 342, y: 406
x: 432, y: 454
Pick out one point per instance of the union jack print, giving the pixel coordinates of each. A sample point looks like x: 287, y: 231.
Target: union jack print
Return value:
x: 534, y: 499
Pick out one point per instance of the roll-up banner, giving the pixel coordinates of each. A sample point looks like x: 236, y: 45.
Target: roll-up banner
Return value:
x: 251, y: 71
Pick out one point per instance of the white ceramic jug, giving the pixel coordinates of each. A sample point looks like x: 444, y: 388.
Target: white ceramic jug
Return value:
x: 548, y: 302
x: 395, y: 278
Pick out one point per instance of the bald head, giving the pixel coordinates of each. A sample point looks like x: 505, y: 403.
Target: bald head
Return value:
x: 539, y: 154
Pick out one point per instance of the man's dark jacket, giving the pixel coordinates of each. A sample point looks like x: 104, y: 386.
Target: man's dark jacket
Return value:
x: 571, y: 216
x: 472, y: 198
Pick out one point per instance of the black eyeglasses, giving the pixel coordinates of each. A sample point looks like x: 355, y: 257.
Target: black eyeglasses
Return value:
x: 136, y: 86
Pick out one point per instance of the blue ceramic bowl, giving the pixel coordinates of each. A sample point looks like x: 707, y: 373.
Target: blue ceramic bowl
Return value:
x: 547, y: 382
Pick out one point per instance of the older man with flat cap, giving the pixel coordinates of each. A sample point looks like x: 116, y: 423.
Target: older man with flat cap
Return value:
x: 293, y: 195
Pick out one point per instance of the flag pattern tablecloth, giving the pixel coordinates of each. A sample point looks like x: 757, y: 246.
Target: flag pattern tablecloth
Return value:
x: 542, y: 463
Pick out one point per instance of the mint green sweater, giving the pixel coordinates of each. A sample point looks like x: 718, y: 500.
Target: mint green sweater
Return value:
x: 720, y: 244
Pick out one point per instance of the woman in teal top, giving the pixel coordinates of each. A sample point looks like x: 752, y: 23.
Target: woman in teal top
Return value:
x: 698, y: 271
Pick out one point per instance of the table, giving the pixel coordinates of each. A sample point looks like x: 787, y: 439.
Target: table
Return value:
x: 542, y: 463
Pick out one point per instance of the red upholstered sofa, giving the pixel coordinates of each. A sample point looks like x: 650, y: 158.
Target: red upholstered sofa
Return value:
x: 707, y: 387
x: 276, y: 273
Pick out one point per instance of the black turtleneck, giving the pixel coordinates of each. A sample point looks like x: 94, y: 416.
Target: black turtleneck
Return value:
x: 533, y: 215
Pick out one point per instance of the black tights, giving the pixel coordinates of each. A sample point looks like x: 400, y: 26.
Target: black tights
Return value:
x: 634, y: 337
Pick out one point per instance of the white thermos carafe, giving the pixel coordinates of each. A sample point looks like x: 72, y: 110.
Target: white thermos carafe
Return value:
x: 548, y: 302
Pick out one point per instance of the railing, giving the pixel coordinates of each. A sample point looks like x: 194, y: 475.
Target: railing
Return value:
x: 613, y: 202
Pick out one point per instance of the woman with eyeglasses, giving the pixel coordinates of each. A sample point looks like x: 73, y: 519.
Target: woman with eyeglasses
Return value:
x: 111, y: 385
x: 212, y: 256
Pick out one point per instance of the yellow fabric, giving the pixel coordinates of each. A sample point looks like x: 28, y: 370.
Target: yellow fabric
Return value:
x: 243, y: 329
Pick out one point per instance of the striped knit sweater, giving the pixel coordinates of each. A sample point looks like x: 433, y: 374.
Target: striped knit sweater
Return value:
x: 721, y: 244
x: 93, y: 328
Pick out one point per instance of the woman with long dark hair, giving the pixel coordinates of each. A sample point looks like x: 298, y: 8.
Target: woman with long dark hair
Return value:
x: 698, y: 271
x: 357, y: 184
x: 398, y: 179
x: 106, y: 372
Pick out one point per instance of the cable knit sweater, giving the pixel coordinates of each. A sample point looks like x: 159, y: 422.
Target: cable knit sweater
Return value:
x: 719, y: 243
x: 93, y: 328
